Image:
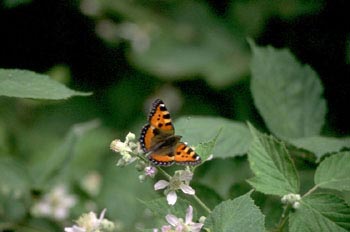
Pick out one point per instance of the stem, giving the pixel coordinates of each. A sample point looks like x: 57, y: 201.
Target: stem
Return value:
x: 283, y: 219
x: 310, y: 191
x: 201, y: 203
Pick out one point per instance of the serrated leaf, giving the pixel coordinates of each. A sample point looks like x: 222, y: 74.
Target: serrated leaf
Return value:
x: 240, y: 214
x: 233, y: 140
x: 28, y: 84
x: 320, y: 212
x: 287, y: 94
x: 270, y: 161
x: 13, y: 177
x: 334, y: 172
x: 205, y: 149
x: 320, y: 145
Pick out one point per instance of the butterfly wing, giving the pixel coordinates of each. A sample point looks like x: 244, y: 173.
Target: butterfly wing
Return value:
x: 185, y: 155
x: 159, y: 117
x: 160, y: 127
x: 159, y: 140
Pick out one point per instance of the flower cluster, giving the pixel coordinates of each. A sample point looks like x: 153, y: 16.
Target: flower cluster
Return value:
x: 55, y: 204
x: 90, y: 223
x: 127, y: 149
x: 292, y: 199
x: 180, y: 180
x: 181, y: 225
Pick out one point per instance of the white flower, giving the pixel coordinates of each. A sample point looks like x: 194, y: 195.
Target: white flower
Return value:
x: 90, y: 223
x: 292, y: 199
x: 55, y: 204
x: 91, y: 183
x: 181, y: 225
x: 180, y: 180
x: 127, y: 149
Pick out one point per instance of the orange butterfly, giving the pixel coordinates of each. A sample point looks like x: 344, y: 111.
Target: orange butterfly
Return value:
x: 158, y: 138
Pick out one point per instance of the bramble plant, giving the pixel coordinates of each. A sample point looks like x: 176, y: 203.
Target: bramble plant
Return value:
x: 288, y: 96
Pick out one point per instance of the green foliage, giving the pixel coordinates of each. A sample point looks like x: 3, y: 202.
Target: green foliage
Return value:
x: 320, y: 212
x: 321, y: 145
x: 270, y: 161
x: 287, y: 94
x: 333, y: 172
x: 13, y: 177
x: 44, y: 143
x: 240, y: 214
x: 28, y: 84
x: 198, y: 43
x: 233, y: 140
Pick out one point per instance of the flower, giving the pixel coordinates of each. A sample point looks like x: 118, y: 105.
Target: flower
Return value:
x: 128, y: 149
x: 90, y: 223
x: 181, y: 225
x: 91, y: 183
x: 150, y: 171
x: 292, y: 199
x: 180, y: 180
x: 55, y: 204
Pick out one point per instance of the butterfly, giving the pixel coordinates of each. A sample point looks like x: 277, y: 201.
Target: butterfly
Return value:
x: 159, y: 140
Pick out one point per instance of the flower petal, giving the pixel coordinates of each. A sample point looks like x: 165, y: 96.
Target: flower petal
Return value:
x: 171, y: 197
x: 172, y: 220
x: 166, y: 228
x: 196, y: 227
x: 187, y: 189
x: 161, y: 184
x: 189, y: 215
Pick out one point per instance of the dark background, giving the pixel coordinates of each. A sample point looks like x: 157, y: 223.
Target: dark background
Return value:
x: 41, y: 34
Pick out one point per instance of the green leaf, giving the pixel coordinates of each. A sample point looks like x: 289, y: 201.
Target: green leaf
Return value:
x: 160, y: 207
x: 320, y: 212
x: 240, y: 214
x: 287, y: 94
x: 320, y: 145
x: 56, y: 163
x: 184, y: 47
x: 205, y: 149
x: 28, y: 84
x: 334, y: 172
x: 13, y: 177
x: 270, y: 161
x: 233, y: 140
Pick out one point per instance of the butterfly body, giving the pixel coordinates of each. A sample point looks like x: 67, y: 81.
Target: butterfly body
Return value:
x: 159, y: 140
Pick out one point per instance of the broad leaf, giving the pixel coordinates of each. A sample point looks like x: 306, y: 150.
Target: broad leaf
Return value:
x: 287, y: 94
x: 320, y: 212
x: 233, y: 140
x: 205, y: 149
x: 320, y: 145
x: 240, y: 214
x: 14, y: 177
x: 270, y: 161
x: 56, y: 163
x: 28, y: 84
x: 334, y: 172
x: 160, y: 207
